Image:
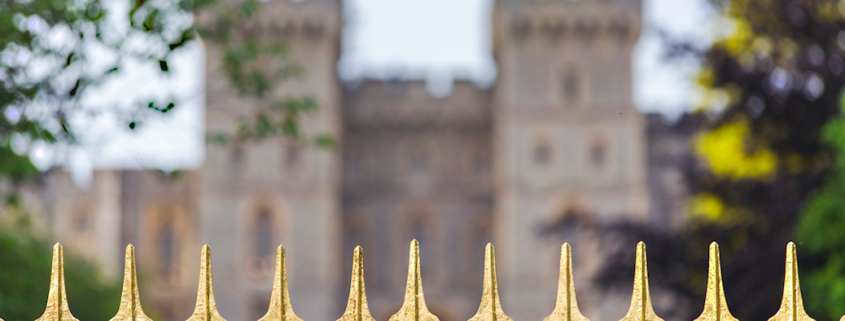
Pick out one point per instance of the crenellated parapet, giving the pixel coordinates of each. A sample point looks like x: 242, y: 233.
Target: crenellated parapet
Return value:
x: 557, y: 22
x: 409, y: 105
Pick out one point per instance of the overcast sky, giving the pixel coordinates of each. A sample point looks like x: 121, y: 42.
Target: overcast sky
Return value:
x: 433, y: 39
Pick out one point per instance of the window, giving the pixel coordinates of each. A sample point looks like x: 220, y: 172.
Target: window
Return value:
x: 521, y: 28
x: 553, y: 29
x: 417, y: 161
x: 168, y: 254
x: 571, y: 86
x: 82, y: 220
x: 263, y: 236
x: 597, y: 154
x: 293, y: 156
x: 260, y: 261
x: 481, y: 164
x: 542, y: 153
x: 236, y: 158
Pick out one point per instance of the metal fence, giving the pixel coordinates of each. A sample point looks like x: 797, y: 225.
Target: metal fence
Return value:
x: 414, y: 308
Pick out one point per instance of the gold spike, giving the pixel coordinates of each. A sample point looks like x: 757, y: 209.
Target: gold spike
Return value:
x: 566, y: 307
x: 414, y: 309
x: 206, y: 308
x: 130, y: 304
x: 280, y: 308
x: 490, y: 308
x: 57, y: 308
x: 715, y: 305
x: 792, y: 306
x: 641, y: 309
x: 357, y: 308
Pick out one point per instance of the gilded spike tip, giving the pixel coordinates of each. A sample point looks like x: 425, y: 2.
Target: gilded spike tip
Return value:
x: 357, y: 308
x: 641, y: 309
x: 280, y: 308
x: 490, y: 308
x: 715, y: 305
x: 130, y: 304
x: 414, y: 309
x: 57, y: 308
x: 566, y: 306
x: 792, y: 306
x: 206, y: 308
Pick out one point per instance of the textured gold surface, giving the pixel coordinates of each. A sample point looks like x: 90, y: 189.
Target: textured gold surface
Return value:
x: 357, y: 308
x: 566, y: 305
x: 57, y: 309
x: 792, y: 306
x: 130, y: 304
x: 715, y: 305
x: 641, y: 309
x: 414, y: 309
x: 280, y: 308
x: 206, y: 308
x: 490, y: 308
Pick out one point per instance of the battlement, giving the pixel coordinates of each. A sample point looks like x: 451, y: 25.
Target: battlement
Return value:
x: 415, y: 104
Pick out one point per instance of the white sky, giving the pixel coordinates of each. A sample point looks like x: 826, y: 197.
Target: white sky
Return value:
x: 434, y: 39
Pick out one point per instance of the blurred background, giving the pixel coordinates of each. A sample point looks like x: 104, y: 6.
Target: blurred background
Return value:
x: 326, y: 124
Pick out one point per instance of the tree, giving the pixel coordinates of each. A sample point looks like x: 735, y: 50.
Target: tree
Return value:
x: 54, y: 52
x: 26, y: 261
x: 819, y: 232
x: 772, y: 86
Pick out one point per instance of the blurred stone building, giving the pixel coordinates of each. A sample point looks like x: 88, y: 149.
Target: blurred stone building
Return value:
x: 556, y: 137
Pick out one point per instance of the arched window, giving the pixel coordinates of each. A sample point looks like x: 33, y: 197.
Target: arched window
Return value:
x: 262, y: 245
x: 167, y: 253
x: 261, y: 251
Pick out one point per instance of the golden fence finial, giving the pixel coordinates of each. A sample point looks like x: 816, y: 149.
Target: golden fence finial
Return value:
x: 130, y: 304
x: 357, y: 308
x: 206, y: 308
x: 641, y: 309
x: 792, y: 306
x: 566, y: 306
x: 414, y: 309
x: 490, y: 308
x: 280, y: 308
x: 57, y: 309
x: 715, y: 305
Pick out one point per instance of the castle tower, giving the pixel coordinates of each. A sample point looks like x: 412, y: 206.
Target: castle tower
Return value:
x: 569, y: 145
x: 257, y: 195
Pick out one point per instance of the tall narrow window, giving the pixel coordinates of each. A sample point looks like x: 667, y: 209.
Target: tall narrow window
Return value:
x: 597, y: 154
x: 542, y: 153
x: 571, y: 86
x: 167, y: 253
x: 293, y: 155
x: 263, y: 235
x: 417, y: 161
x: 236, y: 159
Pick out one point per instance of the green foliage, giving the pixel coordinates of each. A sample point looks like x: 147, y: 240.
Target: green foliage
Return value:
x: 772, y: 91
x: 256, y: 67
x: 820, y: 233
x: 26, y: 263
x: 58, y: 35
